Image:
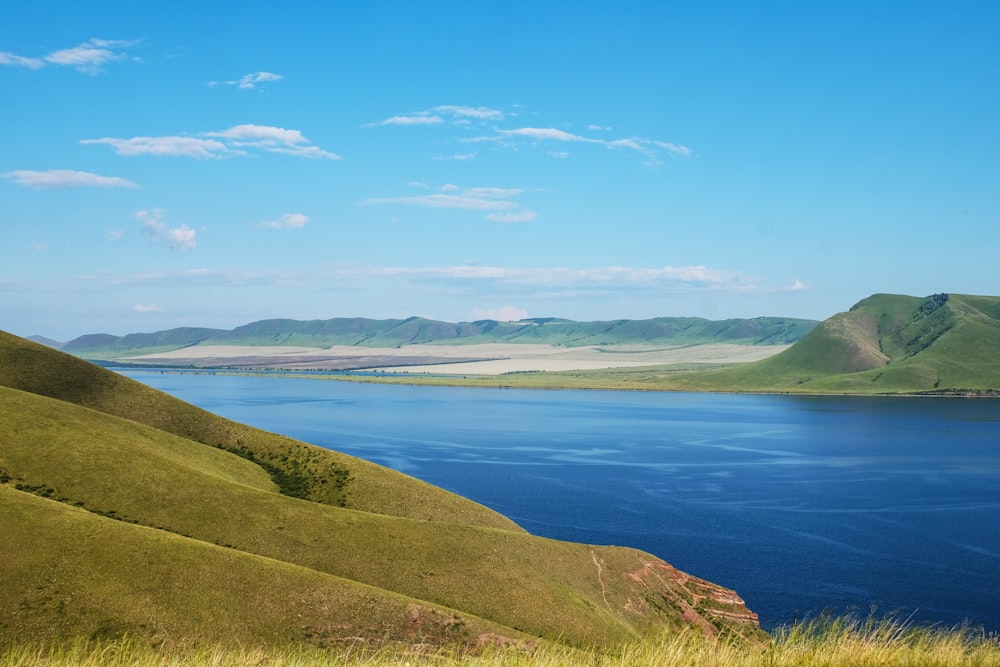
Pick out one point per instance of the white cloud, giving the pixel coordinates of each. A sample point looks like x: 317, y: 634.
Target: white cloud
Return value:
x: 479, y: 113
x: 180, y: 238
x: 453, y: 196
x: 649, y: 148
x: 447, y: 114
x: 117, y: 234
x: 466, y: 116
x: 523, y: 216
x: 287, y: 221
x: 65, y: 178
x: 147, y: 308
x: 250, y: 81
x: 313, y: 152
x: 88, y: 57
x: 260, y: 134
x: 234, y: 141
x: 165, y: 146
x: 543, y: 133
x: 414, y: 119
x: 502, y: 314
x: 673, y: 148
x: 14, y: 60
x: 624, y: 143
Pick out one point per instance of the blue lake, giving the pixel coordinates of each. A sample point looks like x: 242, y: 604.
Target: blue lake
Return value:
x: 801, y: 504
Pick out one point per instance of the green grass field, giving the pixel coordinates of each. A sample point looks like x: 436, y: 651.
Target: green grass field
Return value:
x: 835, y: 642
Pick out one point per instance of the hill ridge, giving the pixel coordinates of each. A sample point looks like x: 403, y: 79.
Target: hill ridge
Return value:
x: 364, y: 332
x: 885, y: 343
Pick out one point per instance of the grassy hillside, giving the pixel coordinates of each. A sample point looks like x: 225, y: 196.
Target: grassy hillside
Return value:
x: 416, y: 330
x: 301, y: 470
x: 68, y: 574
x: 108, y: 484
x: 945, y: 343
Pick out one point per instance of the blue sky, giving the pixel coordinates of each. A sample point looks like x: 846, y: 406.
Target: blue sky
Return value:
x: 211, y: 164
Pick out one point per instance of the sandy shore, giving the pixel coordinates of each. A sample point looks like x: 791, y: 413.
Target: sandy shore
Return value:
x: 490, y: 359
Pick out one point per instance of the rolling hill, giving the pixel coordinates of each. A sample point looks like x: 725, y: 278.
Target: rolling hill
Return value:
x: 940, y: 344
x: 416, y: 330
x: 129, y: 512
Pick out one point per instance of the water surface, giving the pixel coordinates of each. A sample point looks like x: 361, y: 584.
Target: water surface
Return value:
x: 801, y: 504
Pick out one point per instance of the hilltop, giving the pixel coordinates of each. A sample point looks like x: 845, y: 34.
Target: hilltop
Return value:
x: 131, y: 513
x: 887, y: 343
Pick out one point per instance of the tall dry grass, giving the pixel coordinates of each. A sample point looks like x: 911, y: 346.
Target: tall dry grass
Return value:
x: 827, y: 642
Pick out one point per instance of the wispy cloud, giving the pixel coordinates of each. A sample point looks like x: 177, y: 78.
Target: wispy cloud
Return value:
x: 523, y: 216
x: 546, y: 134
x: 515, y: 279
x: 250, y: 81
x: 65, y: 178
x: 14, y: 60
x: 606, y: 277
x: 472, y: 199
x: 464, y: 113
x: 88, y: 57
x: 422, y: 118
x: 651, y: 149
x: 180, y: 239
x: 260, y: 135
x: 226, y: 143
x: 444, y: 115
x: 175, y: 146
x: 287, y: 221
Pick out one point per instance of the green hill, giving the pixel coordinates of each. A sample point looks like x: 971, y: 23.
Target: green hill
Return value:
x: 127, y: 511
x: 944, y: 343
x: 417, y: 330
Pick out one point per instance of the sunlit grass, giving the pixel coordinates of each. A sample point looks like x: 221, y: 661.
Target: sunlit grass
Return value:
x: 827, y: 642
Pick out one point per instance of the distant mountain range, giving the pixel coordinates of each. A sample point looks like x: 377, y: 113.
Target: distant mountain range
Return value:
x: 417, y: 330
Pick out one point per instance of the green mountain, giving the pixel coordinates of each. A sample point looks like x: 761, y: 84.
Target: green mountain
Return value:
x: 418, y: 330
x: 129, y: 512
x: 944, y: 343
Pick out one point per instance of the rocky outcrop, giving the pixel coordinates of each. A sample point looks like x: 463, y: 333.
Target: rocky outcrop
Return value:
x: 706, y: 605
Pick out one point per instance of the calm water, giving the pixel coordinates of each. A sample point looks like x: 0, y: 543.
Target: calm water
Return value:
x: 801, y: 504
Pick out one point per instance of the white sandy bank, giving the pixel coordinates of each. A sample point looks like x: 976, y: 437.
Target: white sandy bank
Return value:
x: 492, y: 359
